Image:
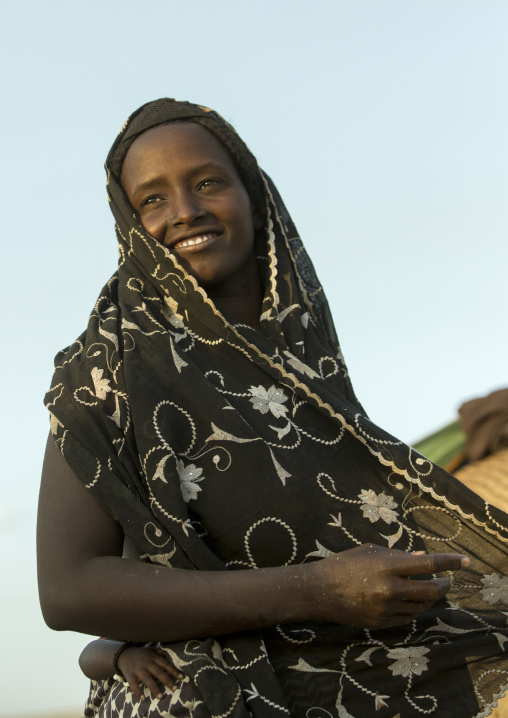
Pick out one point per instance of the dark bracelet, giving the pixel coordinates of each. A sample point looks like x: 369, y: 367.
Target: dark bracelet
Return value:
x: 127, y: 644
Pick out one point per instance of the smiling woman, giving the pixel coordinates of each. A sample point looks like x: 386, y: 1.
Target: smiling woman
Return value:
x: 282, y: 551
x: 188, y: 195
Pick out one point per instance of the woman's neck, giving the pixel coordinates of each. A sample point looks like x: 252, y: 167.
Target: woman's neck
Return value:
x: 241, y: 297
x: 245, y: 309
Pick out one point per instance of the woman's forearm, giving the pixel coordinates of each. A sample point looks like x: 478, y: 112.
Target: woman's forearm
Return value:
x: 142, y: 602
x: 85, y: 585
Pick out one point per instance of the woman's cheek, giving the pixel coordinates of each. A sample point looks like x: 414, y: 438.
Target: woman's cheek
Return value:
x: 154, y: 227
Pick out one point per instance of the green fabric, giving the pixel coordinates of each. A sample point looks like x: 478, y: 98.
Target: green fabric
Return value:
x: 444, y: 445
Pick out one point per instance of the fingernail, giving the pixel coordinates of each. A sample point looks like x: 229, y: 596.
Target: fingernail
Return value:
x: 465, y: 562
x: 160, y: 695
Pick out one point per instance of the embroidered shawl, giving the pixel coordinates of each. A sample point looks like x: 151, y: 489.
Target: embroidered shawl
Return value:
x: 217, y: 447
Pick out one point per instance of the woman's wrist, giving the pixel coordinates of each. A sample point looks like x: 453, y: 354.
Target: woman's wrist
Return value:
x: 300, y: 597
x: 311, y: 591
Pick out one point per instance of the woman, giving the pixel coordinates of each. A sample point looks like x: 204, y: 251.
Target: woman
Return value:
x: 207, y: 418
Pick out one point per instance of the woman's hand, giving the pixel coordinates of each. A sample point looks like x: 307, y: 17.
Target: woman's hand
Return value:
x: 147, y: 666
x: 375, y: 587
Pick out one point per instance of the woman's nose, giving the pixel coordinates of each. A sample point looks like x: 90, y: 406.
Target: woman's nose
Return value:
x: 186, y: 208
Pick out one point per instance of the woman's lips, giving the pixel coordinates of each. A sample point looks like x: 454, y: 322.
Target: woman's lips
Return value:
x: 196, y: 241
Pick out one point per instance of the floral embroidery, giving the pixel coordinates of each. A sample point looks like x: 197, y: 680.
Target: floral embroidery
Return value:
x: 377, y: 506
x: 496, y: 588
x: 272, y: 400
x: 300, y: 366
x: 101, y: 385
x: 189, y: 479
x: 408, y: 660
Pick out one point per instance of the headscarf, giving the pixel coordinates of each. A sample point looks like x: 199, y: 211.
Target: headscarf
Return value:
x: 217, y: 447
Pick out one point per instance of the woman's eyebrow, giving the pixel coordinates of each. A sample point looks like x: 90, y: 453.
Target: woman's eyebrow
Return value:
x: 162, y: 179
x: 149, y: 184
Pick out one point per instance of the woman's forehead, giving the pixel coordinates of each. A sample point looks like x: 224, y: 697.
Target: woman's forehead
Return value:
x: 176, y: 143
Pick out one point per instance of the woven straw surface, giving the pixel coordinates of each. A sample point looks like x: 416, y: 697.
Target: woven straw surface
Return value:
x: 489, y: 478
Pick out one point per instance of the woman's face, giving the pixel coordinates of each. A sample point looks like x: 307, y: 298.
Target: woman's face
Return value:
x: 188, y: 195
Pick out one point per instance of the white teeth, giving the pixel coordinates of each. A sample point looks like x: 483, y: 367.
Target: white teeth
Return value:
x: 194, y: 240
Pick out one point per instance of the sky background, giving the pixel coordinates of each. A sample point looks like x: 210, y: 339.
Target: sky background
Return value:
x: 383, y: 124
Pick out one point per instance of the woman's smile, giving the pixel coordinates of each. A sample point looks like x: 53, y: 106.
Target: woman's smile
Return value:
x: 195, y: 242
x: 188, y: 195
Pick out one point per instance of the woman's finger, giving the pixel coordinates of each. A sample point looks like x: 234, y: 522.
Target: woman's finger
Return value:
x: 423, y: 591
x: 414, y: 564
x: 398, y: 619
x: 408, y: 608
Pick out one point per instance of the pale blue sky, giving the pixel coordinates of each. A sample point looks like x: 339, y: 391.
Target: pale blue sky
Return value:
x: 383, y: 123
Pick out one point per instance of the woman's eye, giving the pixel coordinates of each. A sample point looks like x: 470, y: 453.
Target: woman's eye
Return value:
x: 207, y: 183
x: 150, y: 200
